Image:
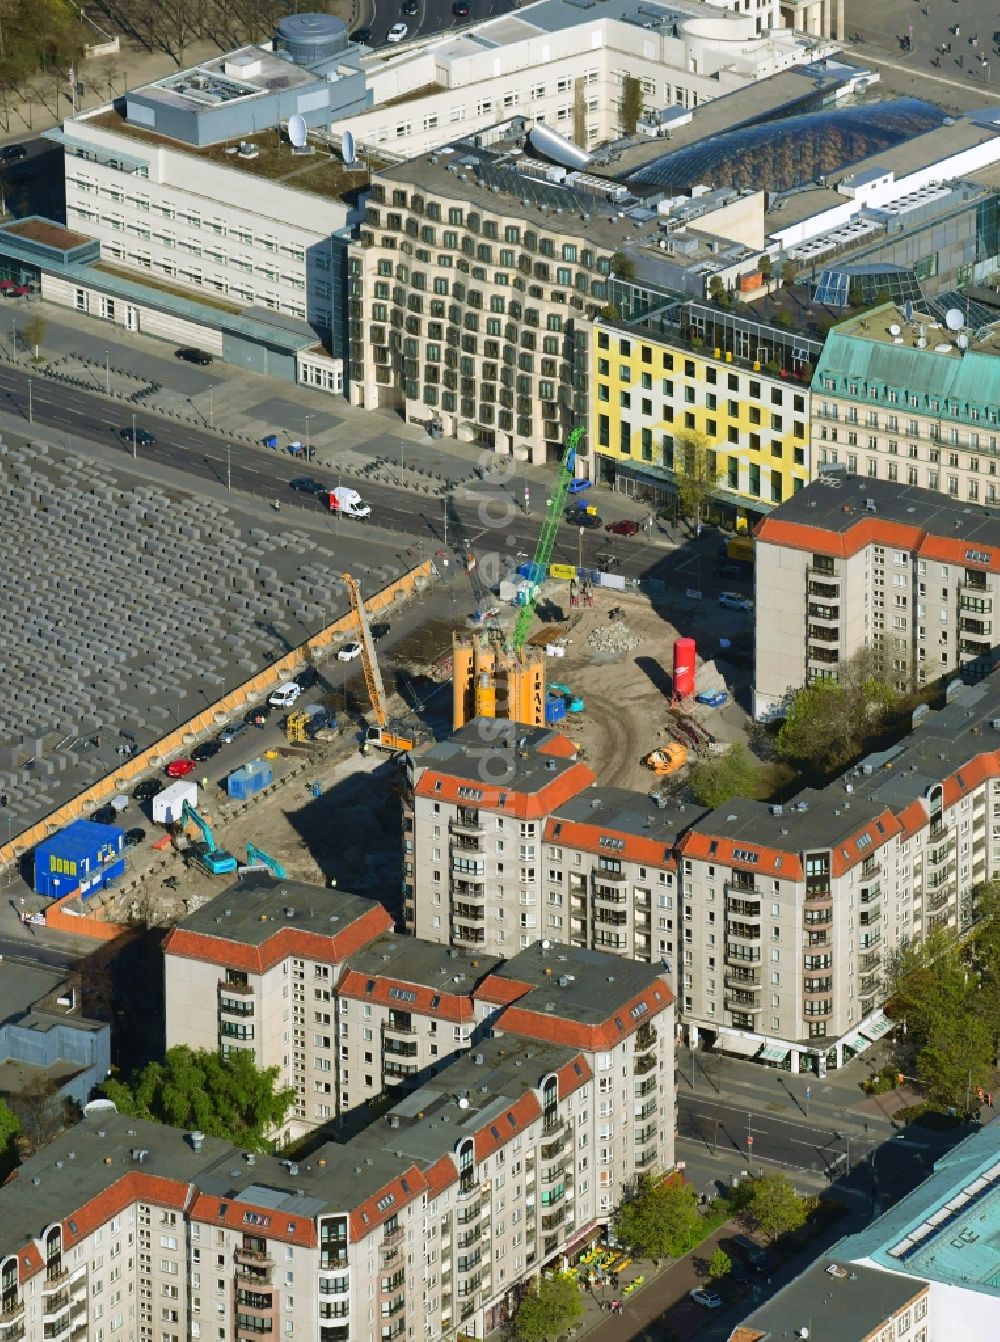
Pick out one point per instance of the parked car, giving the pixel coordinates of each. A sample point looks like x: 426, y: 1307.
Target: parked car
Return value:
x: 147, y: 789
x: 10, y: 153
x: 579, y: 517
x: 348, y: 652
x: 133, y: 837
x: 733, y: 601
x: 259, y: 714
x: 191, y: 355
x: 379, y: 630
x: 230, y: 732
x: 285, y: 695
x: 626, y: 527
x: 105, y: 815
x: 362, y: 35
x: 712, y: 698
x: 307, y: 678
x: 180, y: 768
x: 397, y: 33
x: 411, y: 7
x: 754, y: 1255
x: 577, y: 486
x: 461, y: 9
x: 205, y: 751
x: 306, y: 485
x: 141, y: 436
x: 707, y: 1299
x: 729, y: 568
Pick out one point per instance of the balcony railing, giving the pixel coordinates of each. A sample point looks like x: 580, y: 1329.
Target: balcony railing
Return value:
x: 392, y: 1237
x: 467, y: 824
x: 644, y: 1064
x: 645, y: 1038
x: 645, y: 1158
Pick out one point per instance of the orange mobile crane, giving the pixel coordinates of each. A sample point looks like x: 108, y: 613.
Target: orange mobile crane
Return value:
x: 382, y: 736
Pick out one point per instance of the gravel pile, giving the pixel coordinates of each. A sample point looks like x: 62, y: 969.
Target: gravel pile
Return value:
x: 613, y: 637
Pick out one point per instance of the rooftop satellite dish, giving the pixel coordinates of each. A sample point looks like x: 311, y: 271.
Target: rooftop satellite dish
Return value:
x: 347, y: 149
x: 894, y: 329
x: 297, y: 130
x: 463, y: 1103
x: 963, y: 341
x: 953, y: 319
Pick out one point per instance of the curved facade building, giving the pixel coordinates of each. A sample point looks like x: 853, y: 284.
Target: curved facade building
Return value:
x: 783, y: 154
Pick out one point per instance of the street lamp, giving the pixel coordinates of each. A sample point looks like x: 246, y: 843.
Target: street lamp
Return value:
x: 229, y: 466
x: 308, y: 440
x: 135, y: 448
x: 107, y: 373
x: 30, y: 382
x: 579, y: 557
x: 402, y: 446
x: 808, y: 1098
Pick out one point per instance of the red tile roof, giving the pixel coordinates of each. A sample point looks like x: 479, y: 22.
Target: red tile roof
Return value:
x: 703, y: 844
x: 451, y: 1006
x: 587, y: 837
x: 555, y: 1029
x: 501, y: 991
x: 521, y: 805
x: 393, y: 1197
x: 571, y: 1079
x: 853, y: 850
x: 283, y: 1226
x: 558, y: 745
x: 872, y: 529
x: 135, y: 1186
x: 508, y: 1125
x: 283, y: 943
x: 441, y: 1175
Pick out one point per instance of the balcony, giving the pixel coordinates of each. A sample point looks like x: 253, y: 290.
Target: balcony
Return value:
x: 826, y: 587
x: 868, y: 983
x: 821, y: 634
x: 398, y: 1025
x: 466, y: 889
x: 468, y: 1190
x: 467, y: 822
x: 742, y: 887
x: 253, y: 1257
x: 741, y: 978
x: 824, y: 614
x: 870, y: 961
x: 644, y: 1088
x: 233, y: 1007
x: 606, y: 874
x: 645, y: 1158
x: 825, y: 656
x: 648, y: 1108
x: 400, y: 1048
x: 605, y: 895
x: 392, y: 1238
x: 744, y: 908
x: 469, y: 936
x: 468, y: 1213
x: 936, y: 902
x: 54, y: 1277
x: 645, y: 1063
x: 11, y: 1311
x: 740, y: 955
x: 553, y: 1219
x: 741, y: 1002
x: 52, y: 1304
x: 646, y: 1134
x: 744, y: 931
x: 468, y: 847
x: 645, y: 1038
x: 234, y: 986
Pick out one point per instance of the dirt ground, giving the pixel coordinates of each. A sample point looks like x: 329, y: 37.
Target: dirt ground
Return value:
x: 627, y: 695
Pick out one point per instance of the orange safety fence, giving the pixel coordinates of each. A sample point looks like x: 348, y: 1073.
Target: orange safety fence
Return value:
x: 160, y: 751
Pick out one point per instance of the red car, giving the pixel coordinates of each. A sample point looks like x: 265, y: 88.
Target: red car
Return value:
x: 178, y: 768
x: 626, y: 527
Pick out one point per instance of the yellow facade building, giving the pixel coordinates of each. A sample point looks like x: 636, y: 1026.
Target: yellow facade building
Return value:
x: 748, y: 394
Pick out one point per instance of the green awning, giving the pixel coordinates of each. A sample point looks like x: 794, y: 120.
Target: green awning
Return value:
x: 879, y: 1025
x: 772, y: 1053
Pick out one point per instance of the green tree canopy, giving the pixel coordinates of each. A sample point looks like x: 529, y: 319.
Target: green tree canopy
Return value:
x: 547, y: 1309
x: 719, y: 1265
x: 38, y: 35
x: 660, y: 1220
x: 766, y: 267
x: 774, y: 1207
x: 9, y: 1128
x: 715, y: 781
x: 696, y: 471
x: 828, y: 723
x: 222, y: 1097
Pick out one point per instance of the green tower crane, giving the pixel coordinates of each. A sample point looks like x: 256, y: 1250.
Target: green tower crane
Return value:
x: 547, y: 539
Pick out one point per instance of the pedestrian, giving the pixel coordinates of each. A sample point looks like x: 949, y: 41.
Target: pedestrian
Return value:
x: 3, y: 799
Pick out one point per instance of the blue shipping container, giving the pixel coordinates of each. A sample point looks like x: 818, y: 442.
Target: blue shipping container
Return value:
x: 555, y: 708
x: 84, y: 857
x: 249, y: 779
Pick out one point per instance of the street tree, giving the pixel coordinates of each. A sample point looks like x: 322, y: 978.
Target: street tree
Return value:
x: 660, y: 1220
x: 9, y: 1128
x: 631, y: 104
x: 774, y: 1207
x: 766, y: 267
x: 957, y: 1060
x: 719, y: 1265
x: 33, y: 331
x: 223, y: 1097
x: 716, y: 780
x: 789, y: 270
x: 828, y: 723
x: 547, y: 1309
x: 718, y: 292
x: 696, y: 472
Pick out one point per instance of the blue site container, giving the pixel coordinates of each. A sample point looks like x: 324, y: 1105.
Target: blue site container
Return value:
x: 84, y: 857
x: 555, y: 708
x: 249, y: 779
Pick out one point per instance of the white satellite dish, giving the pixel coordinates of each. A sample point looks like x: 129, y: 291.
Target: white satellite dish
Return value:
x: 463, y: 1103
x: 297, y: 130
x: 953, y: 319
x: 963, y: 341
x: 894, y: 329
x: 347, y: 149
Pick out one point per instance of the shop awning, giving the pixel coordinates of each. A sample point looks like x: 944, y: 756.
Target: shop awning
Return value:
x: 856, y: 1042
x: 772, y: 1053
x: 879, y: 1025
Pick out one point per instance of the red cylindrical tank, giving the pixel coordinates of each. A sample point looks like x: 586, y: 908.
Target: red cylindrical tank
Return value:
x: 684, y: 657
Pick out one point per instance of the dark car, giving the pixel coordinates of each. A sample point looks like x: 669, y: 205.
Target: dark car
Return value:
x: 11, y: 152
x: 461, y: 9
x: 205, y: 751
x: 730, y: 568
x: 141, y: 436
x: 362, y: 35
x: 584, y: 519
x: 147, y: 789
x: 229, y: 733
x: 257, y: 715
x: 754, y: 1255
x: 133, y: 837
x: 105, y: 815
x: 626, y: 527
x: 307, y: 678
x: 191, y: 355
x: 411, y: 7
x: 379, y: 630
x: 305, y: 484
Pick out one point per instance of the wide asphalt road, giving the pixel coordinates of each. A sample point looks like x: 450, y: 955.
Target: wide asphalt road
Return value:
x: 431, y: 16
x: 490, y: 516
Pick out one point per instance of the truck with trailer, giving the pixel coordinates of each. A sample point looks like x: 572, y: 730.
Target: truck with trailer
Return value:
x: 347, y: 502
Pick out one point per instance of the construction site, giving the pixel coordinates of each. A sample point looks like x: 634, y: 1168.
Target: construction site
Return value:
x: 603, y: 665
